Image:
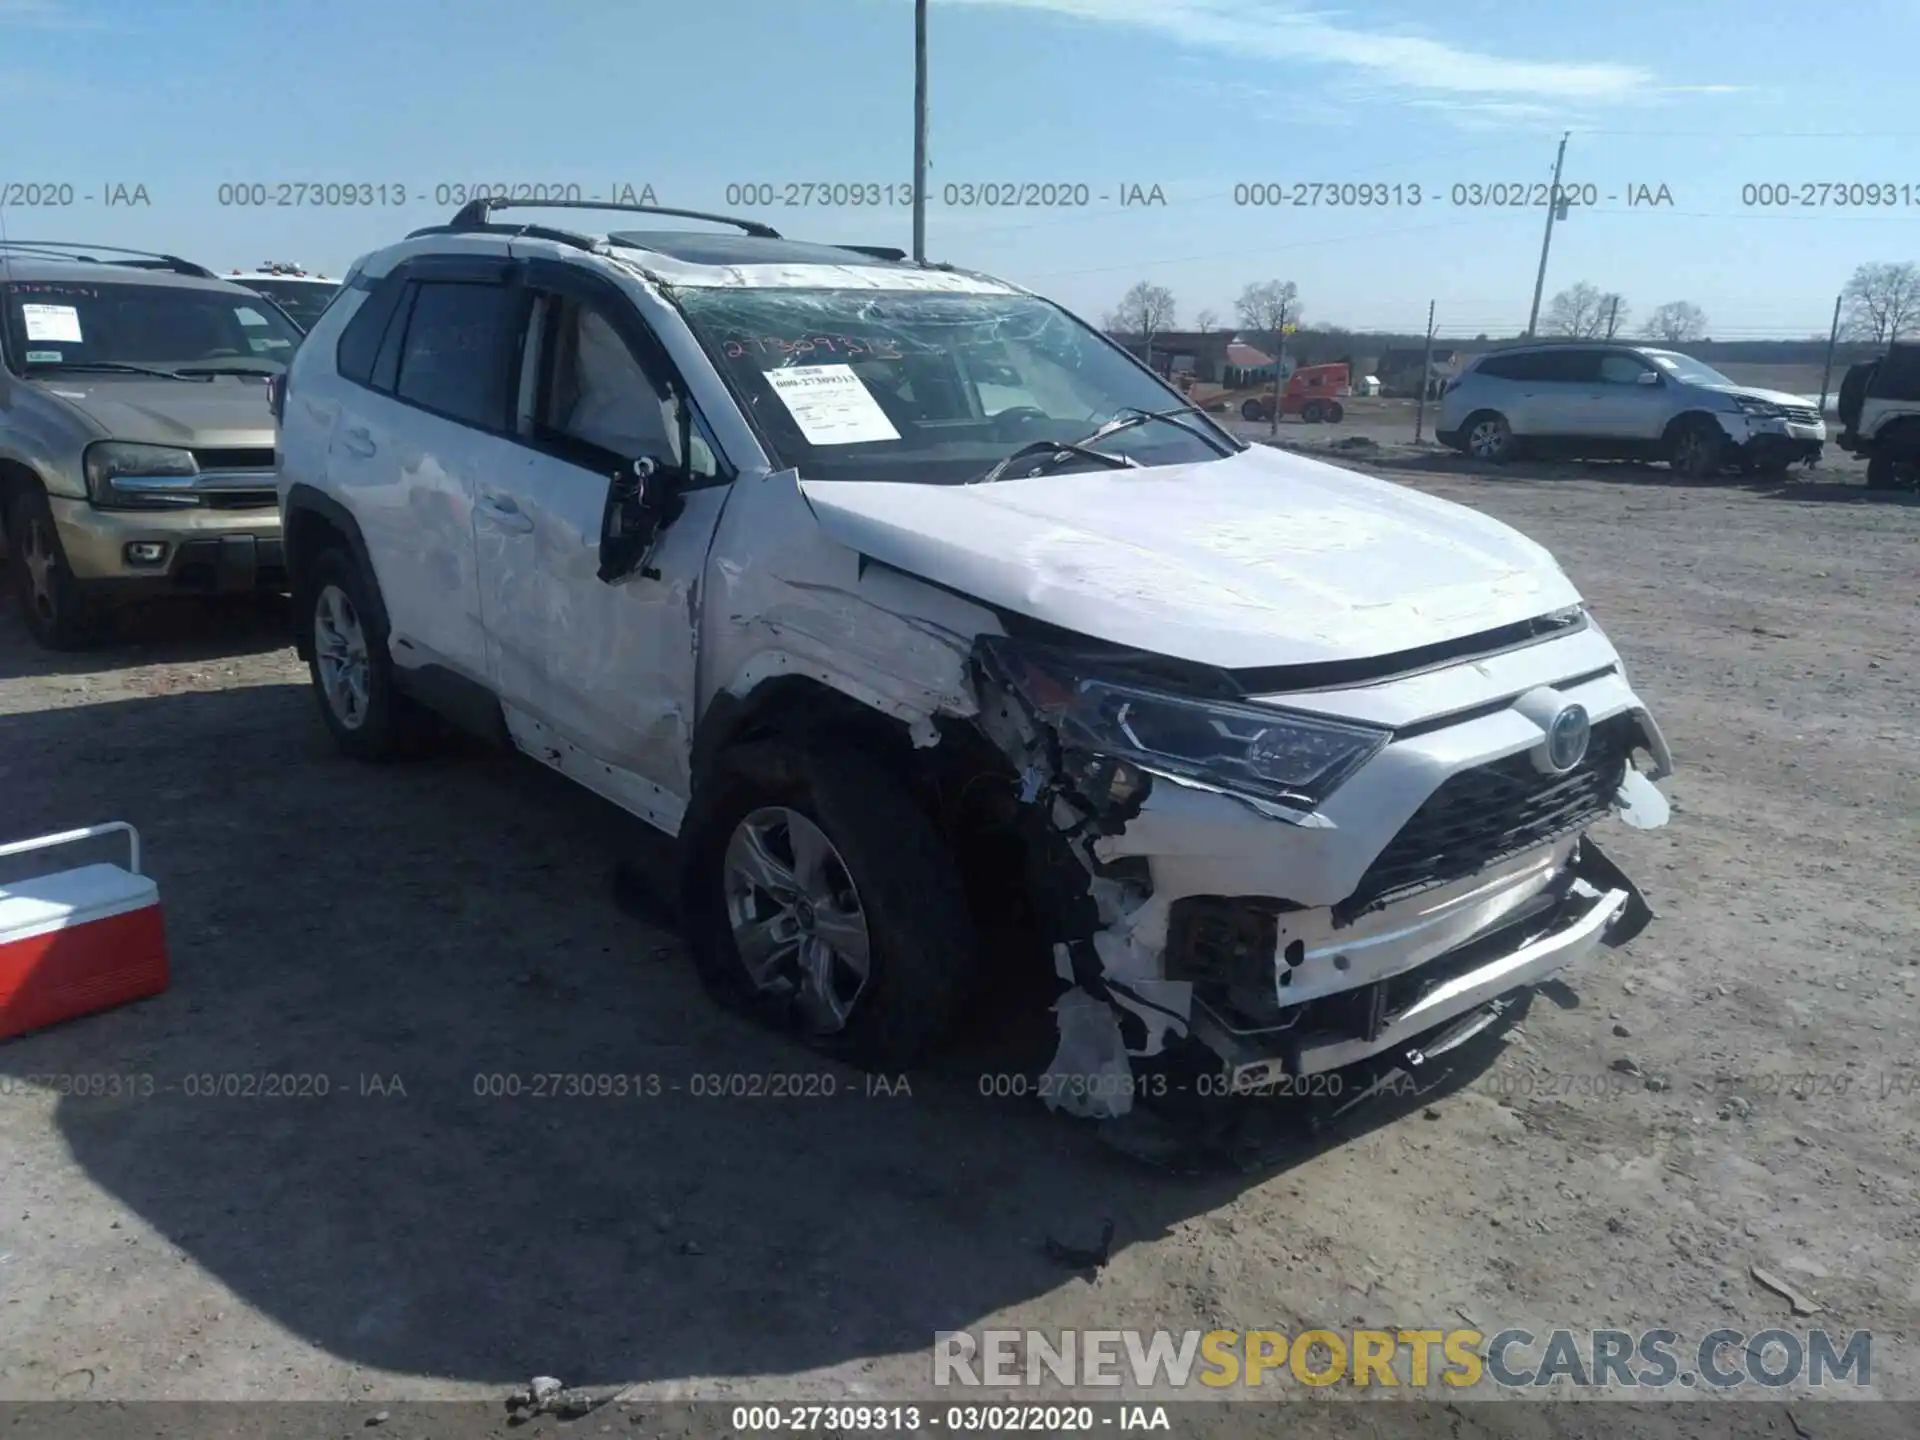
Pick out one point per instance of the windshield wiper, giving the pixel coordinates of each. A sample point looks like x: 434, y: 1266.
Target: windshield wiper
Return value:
x: 1141, y: 417
x: 1057, y: 451
x: 222, y: 367
x: 121, y: 367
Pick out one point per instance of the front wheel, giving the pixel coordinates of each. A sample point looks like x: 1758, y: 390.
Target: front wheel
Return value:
x: 1489, y: 437
x: 821, y: 898
x: 1697, y: 449
x: 1311, y: 412
x: 51, y: 600
x: 1335, y: 412
x: 1252, y: 410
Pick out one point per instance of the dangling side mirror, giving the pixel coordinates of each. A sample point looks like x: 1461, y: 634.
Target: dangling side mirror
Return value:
x: 643, y: 499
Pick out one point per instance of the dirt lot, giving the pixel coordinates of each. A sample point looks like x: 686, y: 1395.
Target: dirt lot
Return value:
x: 1735, y: 1089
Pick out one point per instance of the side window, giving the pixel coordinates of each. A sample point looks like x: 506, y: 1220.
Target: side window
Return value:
x: 359, y: 342
x: 593, y: 393
x: 1506, y: 367
x: 1617, y: 368
x: 459, y: 344
x: 1564, y: 367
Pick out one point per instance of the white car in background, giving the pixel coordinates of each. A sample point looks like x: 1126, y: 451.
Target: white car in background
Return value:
x: 301, y: 294
x: 1601, y: 400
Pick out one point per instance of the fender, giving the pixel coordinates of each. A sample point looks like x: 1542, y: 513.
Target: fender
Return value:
x: 306, y: 500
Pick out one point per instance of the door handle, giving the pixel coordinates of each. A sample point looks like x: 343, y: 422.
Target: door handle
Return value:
x: 506, y: 513
x: 359, y: 441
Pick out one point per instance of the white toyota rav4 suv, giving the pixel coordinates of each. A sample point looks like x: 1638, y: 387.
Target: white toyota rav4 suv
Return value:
x: 939, y: 631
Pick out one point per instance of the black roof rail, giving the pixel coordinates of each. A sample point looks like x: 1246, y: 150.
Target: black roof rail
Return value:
x: 73, y: 250
x: 535, y: 232
x: 878, y: 252
x: 476, y: 214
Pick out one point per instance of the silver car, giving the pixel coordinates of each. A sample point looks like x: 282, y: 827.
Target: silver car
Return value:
x: 136, y: 441
x: 1610, y: 401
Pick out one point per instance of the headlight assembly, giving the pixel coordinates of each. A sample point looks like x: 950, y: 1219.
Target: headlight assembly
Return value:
x: 1762, y: 408
x: 1295, y: 759
x: 122, y: 475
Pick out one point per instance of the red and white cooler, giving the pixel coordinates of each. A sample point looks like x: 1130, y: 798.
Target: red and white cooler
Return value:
x: 76, y: 941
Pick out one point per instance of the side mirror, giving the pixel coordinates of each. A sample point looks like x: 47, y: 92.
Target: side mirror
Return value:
x: 1647, y: 377
x: 642, y: 501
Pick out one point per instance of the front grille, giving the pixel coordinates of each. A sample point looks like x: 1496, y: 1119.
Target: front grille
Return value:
x: 260, y: 458
x: 1483, y: 816
x: 239, y: 499
x: 1801, y: 414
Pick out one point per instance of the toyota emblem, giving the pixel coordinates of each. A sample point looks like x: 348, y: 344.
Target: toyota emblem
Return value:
x: 1567, y: 739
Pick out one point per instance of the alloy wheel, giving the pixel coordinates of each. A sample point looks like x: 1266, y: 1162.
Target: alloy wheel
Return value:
x: 38, y: 558
x: 340, y: 651
x: 796, y: 917
x: 1488, y: 440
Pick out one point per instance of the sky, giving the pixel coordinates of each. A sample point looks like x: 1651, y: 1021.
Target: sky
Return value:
x: 1149, y: 130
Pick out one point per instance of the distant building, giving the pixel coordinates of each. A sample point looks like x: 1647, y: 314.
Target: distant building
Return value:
x: 1398, y: 369
x: 1212, y: 357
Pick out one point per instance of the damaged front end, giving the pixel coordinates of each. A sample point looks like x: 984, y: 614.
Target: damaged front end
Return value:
x: 1279, y: 893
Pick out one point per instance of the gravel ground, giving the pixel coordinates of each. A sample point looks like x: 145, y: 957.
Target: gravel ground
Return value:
x: 1735, y: 1089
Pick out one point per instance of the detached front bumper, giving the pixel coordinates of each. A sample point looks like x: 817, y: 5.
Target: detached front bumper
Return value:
x: 1763, y: 440
x: 1586, y: 903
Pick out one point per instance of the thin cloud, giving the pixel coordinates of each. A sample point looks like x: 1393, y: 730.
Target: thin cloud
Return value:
x: 1415, y: 62
x: 44, y: 15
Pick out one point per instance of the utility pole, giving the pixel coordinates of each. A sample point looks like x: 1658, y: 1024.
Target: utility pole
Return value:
x: 1553, y: 205
x: 1426, y: 379
x: 1613, y: 315
x: 1833, y: 339
x: 1279, y: 356
x: 919, y: 132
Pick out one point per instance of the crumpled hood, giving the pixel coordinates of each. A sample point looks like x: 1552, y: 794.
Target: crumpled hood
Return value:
x: 228, y: 412
x: 1257, y: 559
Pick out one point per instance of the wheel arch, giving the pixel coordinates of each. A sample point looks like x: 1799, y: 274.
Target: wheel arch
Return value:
x: 314, y: 523
x: 1694, y: 416
x: 16, y: 478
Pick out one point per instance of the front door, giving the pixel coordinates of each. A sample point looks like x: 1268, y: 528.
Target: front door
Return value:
x: 597, y: 679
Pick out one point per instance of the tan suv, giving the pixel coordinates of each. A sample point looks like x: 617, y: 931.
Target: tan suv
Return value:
x: 136, y: 440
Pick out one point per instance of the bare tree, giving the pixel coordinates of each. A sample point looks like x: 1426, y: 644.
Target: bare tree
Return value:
x: 1677, y: 322
x: 1268, y: 306
x: 1206, y: 320
x: 1579, y: 311
x: 1146, y: 310
x: 1881, y: 300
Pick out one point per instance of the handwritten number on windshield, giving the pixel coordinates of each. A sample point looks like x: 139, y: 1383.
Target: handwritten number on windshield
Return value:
x: 823, y: 348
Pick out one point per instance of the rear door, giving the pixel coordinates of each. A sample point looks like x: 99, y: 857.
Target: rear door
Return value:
x: 430, y: 420
x: 1561, y: 391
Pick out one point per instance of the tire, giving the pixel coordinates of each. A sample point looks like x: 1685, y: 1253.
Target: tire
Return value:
x: 1697, y: 448
x: 1487, y: 436
x: 1310, y: 412
x: 1892, y: 472
x: 1252, y: 410
x: 889, y: 873
x: 54, y: 605
x: 1336, y: 412
x: 380, y: 724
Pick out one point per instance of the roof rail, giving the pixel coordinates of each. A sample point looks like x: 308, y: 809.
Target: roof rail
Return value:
x: 878, y: 252
x: 476, y: 214
x: 578, y: 241
x: 73, y: 250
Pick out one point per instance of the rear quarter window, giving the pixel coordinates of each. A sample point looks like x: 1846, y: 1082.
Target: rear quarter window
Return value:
x: 359, y: 344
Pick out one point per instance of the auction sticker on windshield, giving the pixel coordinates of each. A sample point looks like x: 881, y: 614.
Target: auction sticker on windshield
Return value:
x: 57, y: 323
x: 831, y: 405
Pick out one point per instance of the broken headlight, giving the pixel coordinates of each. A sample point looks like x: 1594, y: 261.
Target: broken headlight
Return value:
x: 1280, y: 755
